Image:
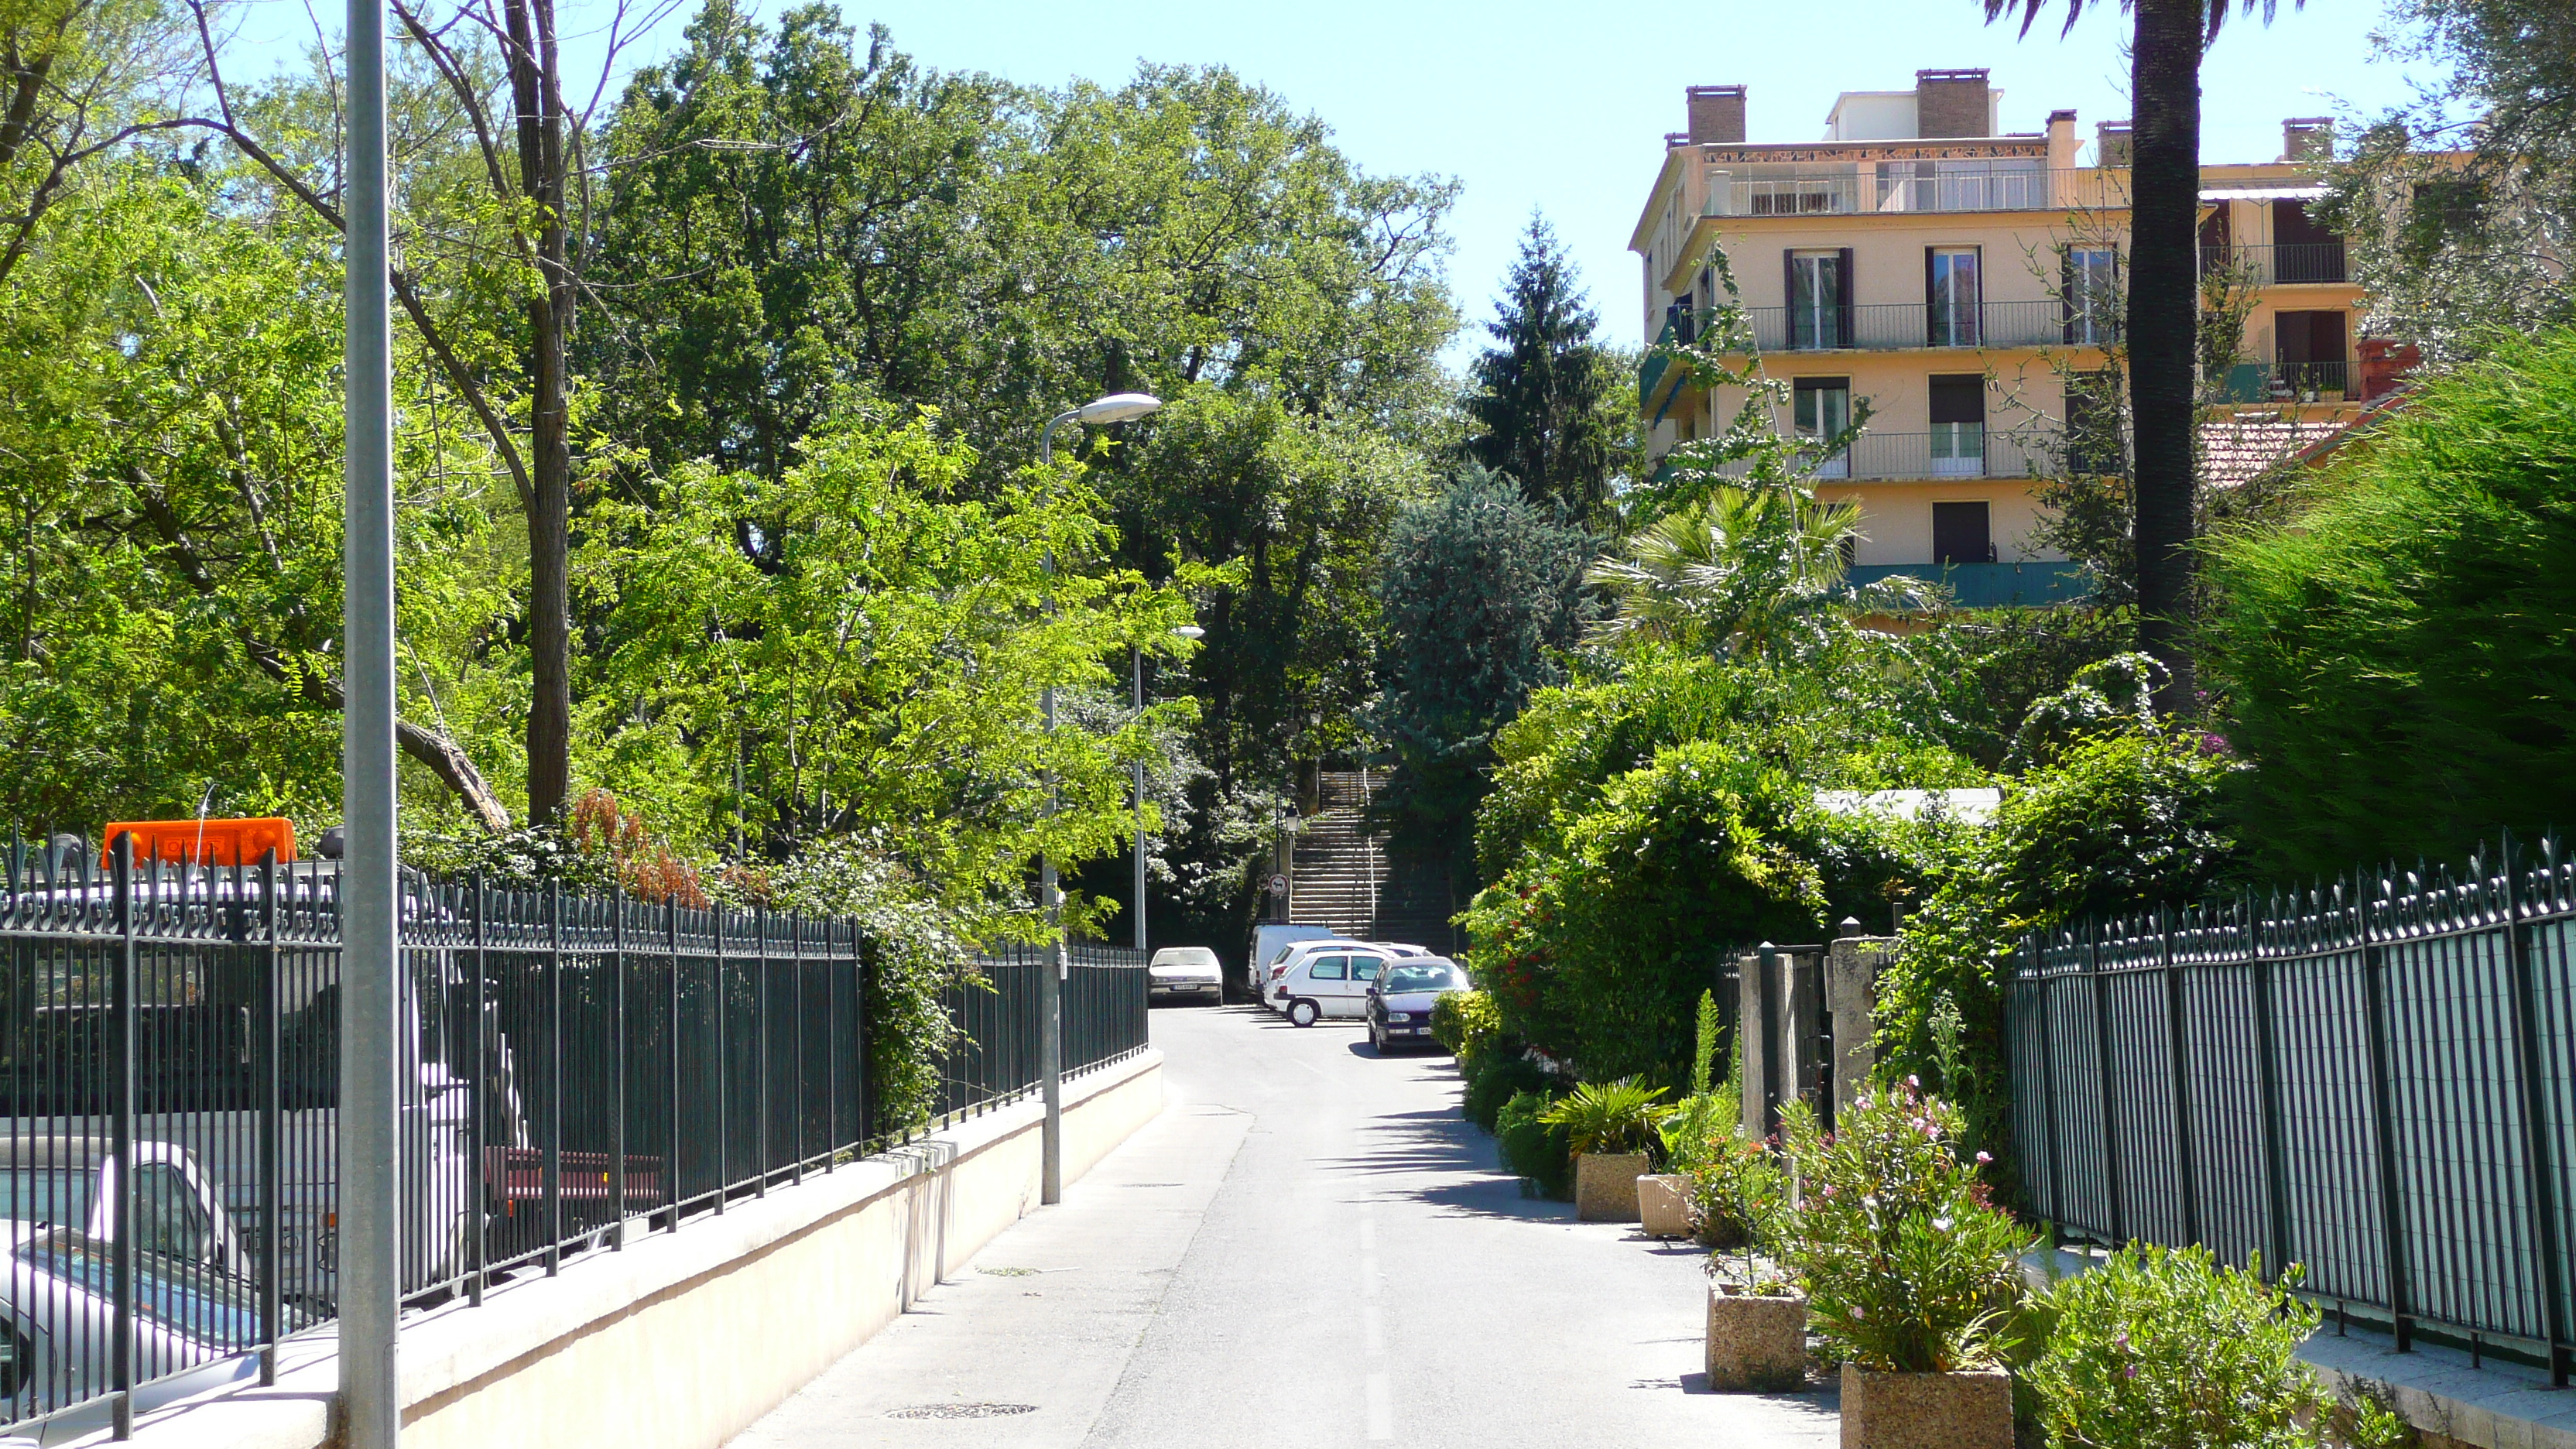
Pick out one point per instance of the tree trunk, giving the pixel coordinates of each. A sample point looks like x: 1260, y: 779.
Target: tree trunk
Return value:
x: 2164, y: 200
x: 533, y: 62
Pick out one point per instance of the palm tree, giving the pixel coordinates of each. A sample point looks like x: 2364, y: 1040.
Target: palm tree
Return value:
x: 2164, y: 218
x: 1745, y: 570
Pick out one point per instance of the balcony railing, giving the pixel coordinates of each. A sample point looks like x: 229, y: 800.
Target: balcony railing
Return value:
x: 1989, y: 585
x: 1896, y: 187
x: 1964, y: 452
x: 1651, y: 367
x: 2267, y: 266
x: 1882, y: 326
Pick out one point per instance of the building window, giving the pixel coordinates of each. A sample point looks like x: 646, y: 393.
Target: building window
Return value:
x: 2311, y: 352
x: 1822, y: 411
x: 1962, y: 534
x: 1959, y: 424
x: 2093, y: 441
x: 2092, y: 299
x: 1819, y: 287
x: 2303, y: 250
x: 1951, y: 295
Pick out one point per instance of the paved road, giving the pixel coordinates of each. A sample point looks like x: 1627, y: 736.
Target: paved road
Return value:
x: 1309, y: 1248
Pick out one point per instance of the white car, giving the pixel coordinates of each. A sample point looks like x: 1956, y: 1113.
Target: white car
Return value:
x: 1333, y: 979
x: 1191, y: 971
x: 1274, y: 994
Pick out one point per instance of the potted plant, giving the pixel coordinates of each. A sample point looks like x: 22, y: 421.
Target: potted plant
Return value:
x: 1702, y: 1125
x: 1911, y: 1273
x: 1612, y: 1130
x: 1757, y: 1319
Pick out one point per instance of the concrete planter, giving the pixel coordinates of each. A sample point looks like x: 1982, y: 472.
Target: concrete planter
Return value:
x: 1605, y: 1186
x: 1756, y: 1344
x: 1663, y: 1205
x: 1970, y: 1410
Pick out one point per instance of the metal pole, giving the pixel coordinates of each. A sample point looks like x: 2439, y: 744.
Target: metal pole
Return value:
x: 1136, y: 659
x: 369, y: 1287
x: 1050, y: 980
x: 121, y: 1103
x: 272, y: 1197
x: 554, y: 1078
x: 483, y: 1175
x: 2540, y: 1176
x: 617, y: 1064
x: 2392, y: 1222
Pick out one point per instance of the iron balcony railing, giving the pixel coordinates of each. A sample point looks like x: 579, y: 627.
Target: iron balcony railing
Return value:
x: 1961, y: 451
x: 1882, y: 326
x: 2288, y: 263
x: 572, y: 1067
x: 2375, y: 1081
x: 1897, y: 187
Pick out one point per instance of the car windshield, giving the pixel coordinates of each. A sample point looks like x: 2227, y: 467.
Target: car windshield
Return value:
x: 56, y: 1195
x: 1411, y: 977
x: 205, y: 1304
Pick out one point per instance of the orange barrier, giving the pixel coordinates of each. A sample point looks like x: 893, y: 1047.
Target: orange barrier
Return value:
x: 204, y: 842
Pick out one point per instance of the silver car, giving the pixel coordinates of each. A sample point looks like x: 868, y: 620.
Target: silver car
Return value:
x: 1178, y: 971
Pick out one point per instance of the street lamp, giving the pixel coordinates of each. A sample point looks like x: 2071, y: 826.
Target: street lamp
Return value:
x: 1136, y: 662
x: 1118, y: 407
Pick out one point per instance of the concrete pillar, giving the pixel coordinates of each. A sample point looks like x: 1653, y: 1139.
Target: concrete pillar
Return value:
x: 1851, y: 995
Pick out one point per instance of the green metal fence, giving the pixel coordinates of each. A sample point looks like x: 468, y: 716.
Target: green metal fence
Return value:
x: 2375, y: 1079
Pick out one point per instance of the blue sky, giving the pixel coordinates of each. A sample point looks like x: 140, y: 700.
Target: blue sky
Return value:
x: 1563, y: 108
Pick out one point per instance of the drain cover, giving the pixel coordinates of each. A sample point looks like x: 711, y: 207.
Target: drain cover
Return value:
x: 962, y: 1411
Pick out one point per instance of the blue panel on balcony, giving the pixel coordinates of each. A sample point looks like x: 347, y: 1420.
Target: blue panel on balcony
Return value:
x: 1991, y: 585
x: 1650, y: 376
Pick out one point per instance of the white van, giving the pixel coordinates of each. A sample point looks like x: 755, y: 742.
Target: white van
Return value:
x: 1268, y: 940
x: 1329, y: 981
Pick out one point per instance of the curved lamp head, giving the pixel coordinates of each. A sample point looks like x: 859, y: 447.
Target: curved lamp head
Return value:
x: 1118, y: 407
x: 1190, y: 631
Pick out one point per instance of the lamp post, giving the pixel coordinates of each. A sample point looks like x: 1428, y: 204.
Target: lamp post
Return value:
x: 1136, y: 662
x: 1115, y: 408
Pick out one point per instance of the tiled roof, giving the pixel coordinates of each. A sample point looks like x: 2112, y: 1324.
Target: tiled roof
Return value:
x: 2240, y: 449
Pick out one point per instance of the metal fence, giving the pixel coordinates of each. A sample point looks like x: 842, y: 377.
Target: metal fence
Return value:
x: 2376, y: 1080
x: 575, y: 1069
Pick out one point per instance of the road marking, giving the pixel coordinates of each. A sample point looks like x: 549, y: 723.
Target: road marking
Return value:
x: 1381, y: 1408
x: 1368, y: 1233
x: 1368, y: 1275
x: 1372, y: 1329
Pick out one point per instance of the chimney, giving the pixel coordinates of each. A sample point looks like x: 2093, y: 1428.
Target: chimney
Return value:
x: 2111, y: 145
x: 1951, y: 103
x: 2308, y: 138
x: 2061, y: 140
x: 1716, y: 114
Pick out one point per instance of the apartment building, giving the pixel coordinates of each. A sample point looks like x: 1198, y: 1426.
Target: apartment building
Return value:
x: 1960, y: 282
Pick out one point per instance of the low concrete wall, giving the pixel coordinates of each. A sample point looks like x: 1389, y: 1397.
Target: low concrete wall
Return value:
x: 683, y: 1339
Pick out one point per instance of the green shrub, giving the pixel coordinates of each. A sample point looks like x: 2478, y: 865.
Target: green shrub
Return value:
x: 1494, y: 1077
x: 1736, y: 1194
x: 1613, y: 1117
x: 2396, y: 662
x: 1908, y: 1268
x: 1533, y: 1147
x: 1464, y: 1022
x: 2119, y: 821
x: 2167, y: 1347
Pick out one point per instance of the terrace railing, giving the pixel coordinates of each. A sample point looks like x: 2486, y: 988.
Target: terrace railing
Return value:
x: 2374, y: 1079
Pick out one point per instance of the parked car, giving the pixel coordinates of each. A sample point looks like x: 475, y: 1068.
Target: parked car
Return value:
x: 1334, y: 981
x: 1277, y: 1000
x: 1268, y: 941
x: 1191, y: 971
x: 1400, y: 1000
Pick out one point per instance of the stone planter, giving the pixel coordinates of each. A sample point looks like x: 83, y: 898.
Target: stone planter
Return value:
x: 1605, y: 1186
x: 1927, y: 1411
x: 1756, y: 1344
x: 1663, y: 1205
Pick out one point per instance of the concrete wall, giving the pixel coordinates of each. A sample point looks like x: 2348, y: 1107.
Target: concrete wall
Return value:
x: 682, y: 1339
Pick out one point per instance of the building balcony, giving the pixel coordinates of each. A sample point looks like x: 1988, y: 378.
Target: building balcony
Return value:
x: 2288, y: 264
x: 1899, y: 188
x: 1989, y: 585
x: 1892, y: 326
x: 1650, y: 372
x: 2281, y: 382
x: 1963, y: 451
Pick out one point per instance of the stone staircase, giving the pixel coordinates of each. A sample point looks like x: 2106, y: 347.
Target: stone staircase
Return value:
x: 1347, y: 880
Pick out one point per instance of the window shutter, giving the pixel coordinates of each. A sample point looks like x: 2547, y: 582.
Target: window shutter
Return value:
x: 2066, y: 292
x: 1843, y: 298
x: 1789, y: 298
x: 1959, y: 397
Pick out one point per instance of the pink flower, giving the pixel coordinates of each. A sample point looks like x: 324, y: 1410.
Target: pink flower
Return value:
x: 1984, y: 1157
x: 1914, y: 1081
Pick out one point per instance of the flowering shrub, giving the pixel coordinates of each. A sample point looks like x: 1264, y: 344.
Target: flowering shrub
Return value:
x: 2169, y: 1347
x: 1736, y: 1197
x: 1908, y: 1267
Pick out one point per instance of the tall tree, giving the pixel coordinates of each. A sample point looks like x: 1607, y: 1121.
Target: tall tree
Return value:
x: 2164, y: 289
x: 1540, y: 391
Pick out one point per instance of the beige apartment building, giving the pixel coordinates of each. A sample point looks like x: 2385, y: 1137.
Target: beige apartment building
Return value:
x: 1959, y: 282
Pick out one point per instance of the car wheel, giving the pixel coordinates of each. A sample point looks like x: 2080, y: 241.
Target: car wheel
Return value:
x: 1377, y: 1042
x: 1304, y: 1012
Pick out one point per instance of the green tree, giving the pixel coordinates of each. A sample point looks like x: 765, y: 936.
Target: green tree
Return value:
x: 2164, y: 284
x: 1541, y: 396
x: 1478, y: 594
x: 1748, y: 570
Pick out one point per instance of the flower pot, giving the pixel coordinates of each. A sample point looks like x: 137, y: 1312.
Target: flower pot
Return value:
x: 1971, y: 1410
x: 1756, y: 1344
x: 1663, y: 1205
x: 1605, y: 1186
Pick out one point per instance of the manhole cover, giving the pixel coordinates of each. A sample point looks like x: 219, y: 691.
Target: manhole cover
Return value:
x: 962, y: 1411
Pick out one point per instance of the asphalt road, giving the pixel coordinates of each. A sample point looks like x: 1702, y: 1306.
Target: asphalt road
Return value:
x: 1308, y: 1248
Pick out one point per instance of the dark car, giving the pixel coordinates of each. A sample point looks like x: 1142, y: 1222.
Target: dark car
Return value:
x: 1400, y: 1000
